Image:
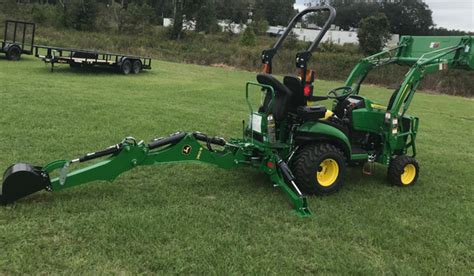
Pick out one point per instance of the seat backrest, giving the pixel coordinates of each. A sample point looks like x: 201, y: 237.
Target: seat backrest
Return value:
x: 297, y: 99
x: 282, y: 96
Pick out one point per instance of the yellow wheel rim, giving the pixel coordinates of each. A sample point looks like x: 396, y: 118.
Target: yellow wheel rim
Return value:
x: 328, y: 172
x: 408, y: 175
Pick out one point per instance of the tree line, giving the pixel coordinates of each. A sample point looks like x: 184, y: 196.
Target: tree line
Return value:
x: 406, y: 17
x: 135, y: 15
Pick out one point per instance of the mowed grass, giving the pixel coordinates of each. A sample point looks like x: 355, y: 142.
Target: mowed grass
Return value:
x: 200, y: 219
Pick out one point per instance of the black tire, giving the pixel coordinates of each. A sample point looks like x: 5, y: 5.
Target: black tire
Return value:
x: 13, y: 53
x: 312, y: 161
x: 126, y: 67
x: 75, y: 65
x: 137, y: 66
x: 403, y: 171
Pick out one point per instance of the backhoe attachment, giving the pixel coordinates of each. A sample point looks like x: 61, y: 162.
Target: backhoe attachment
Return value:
x: 21, y: 180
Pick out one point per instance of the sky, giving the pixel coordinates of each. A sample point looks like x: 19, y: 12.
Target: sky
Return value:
x: 450, y: 14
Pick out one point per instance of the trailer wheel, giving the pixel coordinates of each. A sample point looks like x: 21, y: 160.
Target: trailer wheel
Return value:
x: 74, y: 65
x: 319, y: 169
x: 137, y: 66
x: 403, y: 171
x: 13, y: 53
x: 126, y: 67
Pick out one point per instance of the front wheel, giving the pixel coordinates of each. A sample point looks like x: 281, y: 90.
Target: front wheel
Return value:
x: 319, y: 169
x: 403, y: 171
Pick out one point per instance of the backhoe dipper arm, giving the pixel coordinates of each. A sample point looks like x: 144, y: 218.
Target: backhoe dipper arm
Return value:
x: 25, y: 179
x: 179, y: 147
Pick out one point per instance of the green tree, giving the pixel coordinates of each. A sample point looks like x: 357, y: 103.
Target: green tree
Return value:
x: 276, y: 12
x: 203, y: 11
x: 248, y: 37
x: 373, y: 33
x: 349, y: 14
x: 162, y: 8
x: 445, y: 32
x: 260, y: 27
x: 80, y: 14
x: 136, y: 18
x: 178, y: 16
x: 234, y: 10
x: 409, y: 17
x: 206, y: 19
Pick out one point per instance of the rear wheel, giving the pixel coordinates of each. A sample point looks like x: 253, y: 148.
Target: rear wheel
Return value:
x: 14, y: 53
x: 74, y: 65
x: 319, y: 169
x: 126, y: 67
x: 403, y: 171
x: 137, y: 66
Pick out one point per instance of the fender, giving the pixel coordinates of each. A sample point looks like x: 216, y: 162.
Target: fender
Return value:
x: 317, y: 131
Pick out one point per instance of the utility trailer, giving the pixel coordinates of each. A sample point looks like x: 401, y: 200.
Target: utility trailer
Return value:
x: 77, y: 58
x: 18, y: 39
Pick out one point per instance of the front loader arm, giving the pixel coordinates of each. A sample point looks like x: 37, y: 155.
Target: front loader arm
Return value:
x: 362, y: 69
x: 428, y: 63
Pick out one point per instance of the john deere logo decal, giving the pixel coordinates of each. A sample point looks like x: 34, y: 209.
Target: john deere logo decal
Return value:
x: 186, y: 149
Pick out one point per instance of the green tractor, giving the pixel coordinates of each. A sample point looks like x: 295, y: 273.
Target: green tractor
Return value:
x: 302, y: 147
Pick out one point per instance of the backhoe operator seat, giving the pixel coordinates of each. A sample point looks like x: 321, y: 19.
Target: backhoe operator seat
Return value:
x: 282, y: 96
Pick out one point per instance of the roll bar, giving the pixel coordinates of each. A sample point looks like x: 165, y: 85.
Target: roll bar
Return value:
x: 267, y: 55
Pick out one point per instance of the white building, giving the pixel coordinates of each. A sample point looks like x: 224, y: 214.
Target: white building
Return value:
x: 333, y: 35
x: 225, y: 25
x: 330, y: 2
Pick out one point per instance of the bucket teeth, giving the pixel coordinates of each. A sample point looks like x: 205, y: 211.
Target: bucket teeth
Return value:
x: 21, y: 180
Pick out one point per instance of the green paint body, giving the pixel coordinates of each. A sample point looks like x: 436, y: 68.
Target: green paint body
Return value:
x: 423, y: 55
x: 398, y: 130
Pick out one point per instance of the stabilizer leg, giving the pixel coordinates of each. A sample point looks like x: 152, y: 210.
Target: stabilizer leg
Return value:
x: 298, y: 199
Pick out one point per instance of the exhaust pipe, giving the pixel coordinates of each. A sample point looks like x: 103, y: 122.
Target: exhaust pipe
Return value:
x: 21, y: 180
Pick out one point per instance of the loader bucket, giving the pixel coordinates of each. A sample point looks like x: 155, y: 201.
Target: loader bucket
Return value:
x: 21, y: 180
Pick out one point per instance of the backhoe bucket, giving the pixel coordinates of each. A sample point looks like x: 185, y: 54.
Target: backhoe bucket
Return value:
x: 21, y: 180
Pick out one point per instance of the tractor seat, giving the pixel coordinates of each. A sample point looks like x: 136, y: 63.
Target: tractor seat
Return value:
x: 282, y: 96
x: 298, y: 99
x: 311, y: 113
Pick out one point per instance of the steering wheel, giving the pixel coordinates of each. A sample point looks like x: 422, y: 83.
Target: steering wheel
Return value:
x: 333, y: 94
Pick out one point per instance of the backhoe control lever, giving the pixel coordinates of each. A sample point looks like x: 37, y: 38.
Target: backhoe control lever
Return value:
x: 93, y: 155
x: 288, y: 174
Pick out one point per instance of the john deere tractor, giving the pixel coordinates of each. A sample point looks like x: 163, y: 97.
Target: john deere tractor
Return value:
x: 303, y: 147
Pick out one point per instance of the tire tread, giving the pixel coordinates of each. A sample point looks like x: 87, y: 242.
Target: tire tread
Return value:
x: 304, y: 166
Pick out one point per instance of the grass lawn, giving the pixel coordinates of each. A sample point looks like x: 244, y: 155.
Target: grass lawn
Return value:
x: 200, y: 219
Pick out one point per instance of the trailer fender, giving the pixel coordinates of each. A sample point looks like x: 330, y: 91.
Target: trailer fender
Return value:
x: 316, y: 131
